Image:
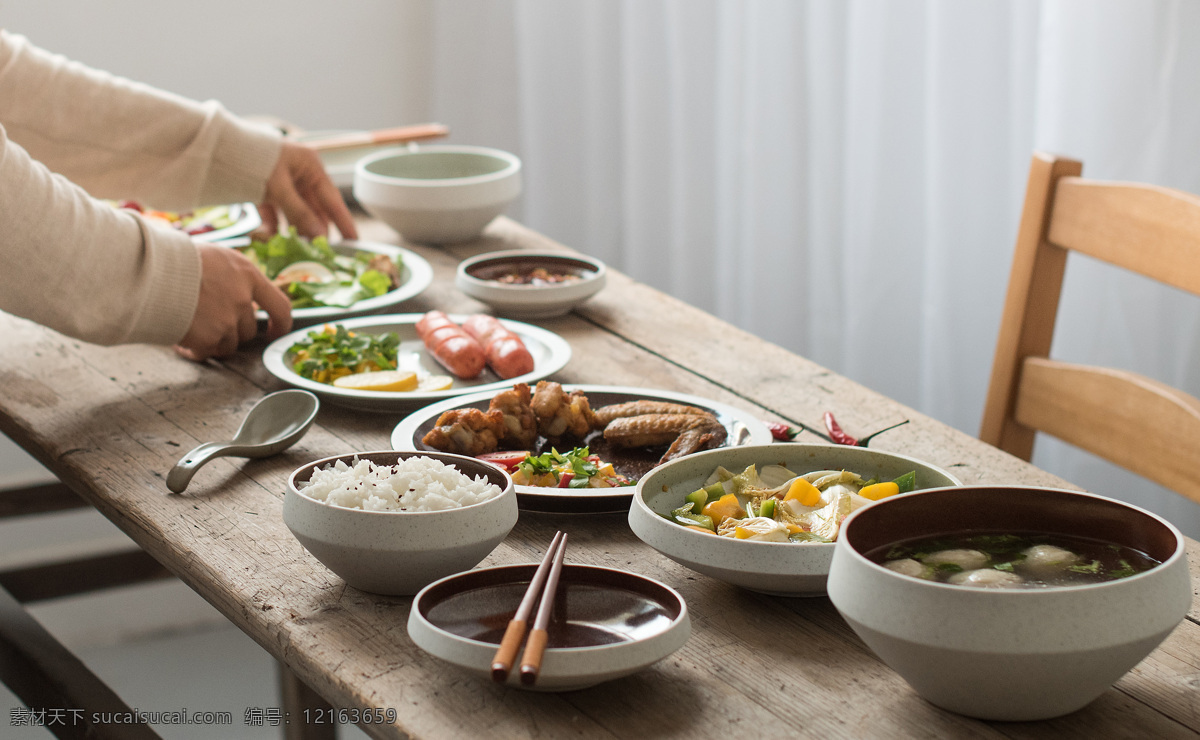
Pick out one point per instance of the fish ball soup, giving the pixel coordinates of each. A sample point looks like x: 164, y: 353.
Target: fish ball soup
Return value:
x: 1011, y: 559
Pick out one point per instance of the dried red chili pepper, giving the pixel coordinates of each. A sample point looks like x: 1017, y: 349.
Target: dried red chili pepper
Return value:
x: 835, y: 432
x: 781, y: 431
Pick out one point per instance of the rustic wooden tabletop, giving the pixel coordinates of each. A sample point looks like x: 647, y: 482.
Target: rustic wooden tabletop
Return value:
x: 111, y: 421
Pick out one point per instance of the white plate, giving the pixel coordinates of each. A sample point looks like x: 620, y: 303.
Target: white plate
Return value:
x: 742, y: 428
x: 415, y: 274
x: 550, y: 354
x: 607, y: 624
x: 246, y: 217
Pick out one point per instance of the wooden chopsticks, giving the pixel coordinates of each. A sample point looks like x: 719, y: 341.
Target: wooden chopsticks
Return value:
x: 399, y: 135
x: 544, y: 586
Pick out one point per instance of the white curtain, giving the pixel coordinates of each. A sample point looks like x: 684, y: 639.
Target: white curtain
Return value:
x: 844, y: 177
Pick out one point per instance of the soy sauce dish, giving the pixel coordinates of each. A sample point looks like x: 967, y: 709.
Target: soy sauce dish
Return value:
x: 525, y: 284
x: 606, y: 624
x: 1007, y: 602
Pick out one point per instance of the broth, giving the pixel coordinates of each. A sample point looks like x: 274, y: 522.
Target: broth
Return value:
x: 1012, y: 560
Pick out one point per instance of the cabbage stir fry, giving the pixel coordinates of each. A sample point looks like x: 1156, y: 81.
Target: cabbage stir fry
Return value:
x: 777, y: 505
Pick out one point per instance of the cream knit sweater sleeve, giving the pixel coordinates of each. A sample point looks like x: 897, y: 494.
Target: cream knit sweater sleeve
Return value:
x: 75, y: 264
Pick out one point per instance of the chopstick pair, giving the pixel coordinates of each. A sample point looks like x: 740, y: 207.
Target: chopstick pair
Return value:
x: 400, y: 135
x: 543, y: 585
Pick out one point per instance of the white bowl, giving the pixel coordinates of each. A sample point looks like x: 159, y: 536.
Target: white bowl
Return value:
x: 480, y: 277
x: 396, y: 552
x: 616, y: 623
x: 1009, y: 654
x: 437, y: 194
x: 777, y: 568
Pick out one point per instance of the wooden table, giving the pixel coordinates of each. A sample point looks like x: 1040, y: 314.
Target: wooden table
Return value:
x: 111, y: 421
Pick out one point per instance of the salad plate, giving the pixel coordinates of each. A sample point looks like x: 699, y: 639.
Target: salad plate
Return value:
x: 207, y: 224
x: 416, y: 274
x: 550, y: 354
x: 742, y: 429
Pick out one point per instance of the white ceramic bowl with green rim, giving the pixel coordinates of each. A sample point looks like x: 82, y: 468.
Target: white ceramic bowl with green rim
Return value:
x: 1015, y: 654
x: 776, y: 568
x: 400, y: 552
x: 441, y: 194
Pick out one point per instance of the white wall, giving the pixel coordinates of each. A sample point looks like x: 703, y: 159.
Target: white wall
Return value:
x: 315, y: 63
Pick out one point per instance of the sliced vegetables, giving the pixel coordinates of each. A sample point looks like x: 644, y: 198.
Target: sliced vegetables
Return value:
x: 575, y: 469
x: 777, y: 505
x: 331, y: 352
x: 313, y: 274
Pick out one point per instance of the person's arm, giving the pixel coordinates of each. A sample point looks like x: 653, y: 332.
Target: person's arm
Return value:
x: 120, y: 139
x: 106, y: 276
x: 85, y: 269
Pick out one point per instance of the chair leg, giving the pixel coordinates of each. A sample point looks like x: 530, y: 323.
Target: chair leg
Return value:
x: 300, y: 704
x: 72, y: 576
x: 39, y: 499
x: 48, y: 678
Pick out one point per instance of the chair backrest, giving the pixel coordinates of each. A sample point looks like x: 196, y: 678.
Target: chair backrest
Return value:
x: 1126, y: 418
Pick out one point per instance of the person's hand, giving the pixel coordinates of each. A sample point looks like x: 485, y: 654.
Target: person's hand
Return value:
x: 300, y: 188
x: 230, y: 286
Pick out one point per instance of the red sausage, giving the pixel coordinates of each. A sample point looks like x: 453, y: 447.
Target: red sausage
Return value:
x: 432, y: 320
x: 456, y: 350
x: 505, y: 352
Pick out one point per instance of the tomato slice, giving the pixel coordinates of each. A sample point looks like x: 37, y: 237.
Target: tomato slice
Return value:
x: 508, y: 460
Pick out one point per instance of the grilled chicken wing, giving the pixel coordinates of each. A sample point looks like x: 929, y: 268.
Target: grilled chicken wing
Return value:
x: 686, y: 433
x: 606, y: 414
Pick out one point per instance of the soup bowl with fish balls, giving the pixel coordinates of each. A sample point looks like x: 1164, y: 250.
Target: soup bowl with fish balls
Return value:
x: 1009, y: 602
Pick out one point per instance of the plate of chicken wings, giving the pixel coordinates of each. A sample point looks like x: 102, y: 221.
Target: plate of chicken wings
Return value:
x: 626, y: 432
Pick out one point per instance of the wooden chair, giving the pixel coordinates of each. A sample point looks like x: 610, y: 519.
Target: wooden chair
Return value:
x: 1133, y: 421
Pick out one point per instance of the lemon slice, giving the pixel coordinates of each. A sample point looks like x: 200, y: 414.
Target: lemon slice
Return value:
x: 431, y: 383
x: 380, y: 380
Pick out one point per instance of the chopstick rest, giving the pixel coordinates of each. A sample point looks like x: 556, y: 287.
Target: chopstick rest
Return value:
x: 535, y: 646
x: 514, y: 634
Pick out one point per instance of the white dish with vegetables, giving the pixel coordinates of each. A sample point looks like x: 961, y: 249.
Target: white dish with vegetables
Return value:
x: 704, y: 511
x: 207, y: 224
x: 311, y: 358
x: 327, y: 281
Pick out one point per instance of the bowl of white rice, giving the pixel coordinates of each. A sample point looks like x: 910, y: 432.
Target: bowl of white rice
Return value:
x: 392, y: 522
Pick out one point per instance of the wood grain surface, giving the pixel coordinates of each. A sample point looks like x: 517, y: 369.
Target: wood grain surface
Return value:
x: 111, y: 421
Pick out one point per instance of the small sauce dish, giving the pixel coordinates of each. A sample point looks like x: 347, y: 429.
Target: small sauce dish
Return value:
x: 525, y: 284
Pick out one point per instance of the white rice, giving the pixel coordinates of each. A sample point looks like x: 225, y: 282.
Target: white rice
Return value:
x: 415, y: 484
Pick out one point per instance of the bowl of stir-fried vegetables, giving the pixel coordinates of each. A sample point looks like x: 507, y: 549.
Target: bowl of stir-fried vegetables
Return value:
x: 765, y: 517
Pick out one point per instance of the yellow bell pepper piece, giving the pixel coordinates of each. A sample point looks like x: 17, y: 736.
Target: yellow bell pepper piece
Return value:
x: 877, y: 491
x: 803, y: 492
x: 724, y: 508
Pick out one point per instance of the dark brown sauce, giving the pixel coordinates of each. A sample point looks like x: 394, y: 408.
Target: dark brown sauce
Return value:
x: 584, y: 615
